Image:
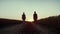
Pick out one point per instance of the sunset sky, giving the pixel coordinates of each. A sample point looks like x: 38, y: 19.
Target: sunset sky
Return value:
x: 13, y: 9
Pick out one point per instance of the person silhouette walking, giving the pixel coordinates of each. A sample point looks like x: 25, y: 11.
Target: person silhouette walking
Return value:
x: 23, y: 16
x: 35, y: 16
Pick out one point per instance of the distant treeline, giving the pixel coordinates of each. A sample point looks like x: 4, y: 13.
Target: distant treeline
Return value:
x: 53, y: 21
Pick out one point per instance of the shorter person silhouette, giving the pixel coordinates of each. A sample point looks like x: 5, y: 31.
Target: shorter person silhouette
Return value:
x: 35, y: 16
x: 23, y: 16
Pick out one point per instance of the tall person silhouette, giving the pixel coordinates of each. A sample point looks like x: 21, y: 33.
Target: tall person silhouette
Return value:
x: 35, y: 16
x: 23, y: 16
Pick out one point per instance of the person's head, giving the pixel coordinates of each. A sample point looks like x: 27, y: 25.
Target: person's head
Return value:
x: 23, y: 13
x: 34, y: 12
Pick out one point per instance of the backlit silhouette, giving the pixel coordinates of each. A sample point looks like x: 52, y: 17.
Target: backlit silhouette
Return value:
x: 35, y: 16
x: 23, y: 16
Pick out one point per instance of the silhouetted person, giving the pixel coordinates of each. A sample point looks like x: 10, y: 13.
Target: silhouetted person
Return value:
x: 35, y: 16
x: 23, y: 16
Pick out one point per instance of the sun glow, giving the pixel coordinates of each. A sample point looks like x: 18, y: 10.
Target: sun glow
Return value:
x: 30, y: 20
